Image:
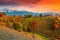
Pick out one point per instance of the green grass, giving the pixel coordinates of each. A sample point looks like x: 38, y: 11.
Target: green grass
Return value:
x: 38, y: 36
x: 41, y: 36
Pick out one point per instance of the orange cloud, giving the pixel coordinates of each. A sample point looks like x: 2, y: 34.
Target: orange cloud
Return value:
x: 36, y: 5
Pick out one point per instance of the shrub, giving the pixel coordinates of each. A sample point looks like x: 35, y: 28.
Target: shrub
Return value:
x: 25, y: 25
x: 17, y: 26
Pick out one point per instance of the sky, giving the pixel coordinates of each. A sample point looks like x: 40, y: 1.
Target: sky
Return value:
x: 31, y: 5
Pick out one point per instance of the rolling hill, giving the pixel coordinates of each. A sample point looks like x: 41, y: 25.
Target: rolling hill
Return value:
x: 10, y: 34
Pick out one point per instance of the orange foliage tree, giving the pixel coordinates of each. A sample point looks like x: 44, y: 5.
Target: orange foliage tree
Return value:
x: 34, y: 26
x: 55, y: 26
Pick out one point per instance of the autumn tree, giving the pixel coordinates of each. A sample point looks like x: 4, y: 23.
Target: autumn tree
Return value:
x: 34, y: 26
x: 55, y: 26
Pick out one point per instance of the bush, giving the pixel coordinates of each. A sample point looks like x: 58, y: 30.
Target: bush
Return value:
x: 11, y: 20
x: 25, y: 24
x: 17, y: 26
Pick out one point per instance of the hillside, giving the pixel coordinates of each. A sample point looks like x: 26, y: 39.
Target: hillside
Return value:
x: 10, y: 34
x: 22, y: 24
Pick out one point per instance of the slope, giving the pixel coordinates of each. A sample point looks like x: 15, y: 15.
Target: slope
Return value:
x: 10, y: 34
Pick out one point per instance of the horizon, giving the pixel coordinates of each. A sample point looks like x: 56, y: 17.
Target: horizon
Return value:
x: 7, y: 10
x: 24, y: 12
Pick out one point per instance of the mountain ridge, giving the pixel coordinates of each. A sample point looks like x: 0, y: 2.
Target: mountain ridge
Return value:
x: 24, y: 12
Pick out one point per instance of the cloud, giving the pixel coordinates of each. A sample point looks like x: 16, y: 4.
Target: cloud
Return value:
x: 27, y: 2
x: 41, y: 8
x: 18, y: 2
x: 32, y: 5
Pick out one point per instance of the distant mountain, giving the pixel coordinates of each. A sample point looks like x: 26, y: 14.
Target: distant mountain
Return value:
x: 17, y: 13
x: 20, y: 13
